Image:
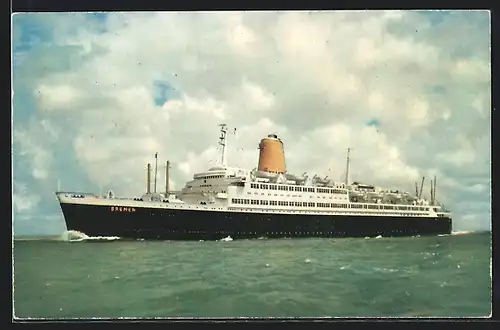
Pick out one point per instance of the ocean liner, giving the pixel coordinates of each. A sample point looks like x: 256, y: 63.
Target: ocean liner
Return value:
x: 267, y: 201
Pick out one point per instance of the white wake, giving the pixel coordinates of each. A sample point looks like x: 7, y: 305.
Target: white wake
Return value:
x: 462, y: 232
x: 459, y: 232
x: 77, y: 236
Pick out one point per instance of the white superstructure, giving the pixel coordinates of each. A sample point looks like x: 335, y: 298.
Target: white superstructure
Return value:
x: 235, y: 188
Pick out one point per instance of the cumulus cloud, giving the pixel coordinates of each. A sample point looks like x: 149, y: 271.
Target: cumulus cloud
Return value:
x: 24, y: 201
x: 315, y: 78
x: 34, y: 141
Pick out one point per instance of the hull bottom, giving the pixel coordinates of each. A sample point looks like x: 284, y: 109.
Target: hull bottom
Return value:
x: 171, y: 224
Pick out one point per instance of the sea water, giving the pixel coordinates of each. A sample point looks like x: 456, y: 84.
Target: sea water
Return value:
x: 439, y: 276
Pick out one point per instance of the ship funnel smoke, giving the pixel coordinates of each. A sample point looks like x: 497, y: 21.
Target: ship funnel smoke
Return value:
x: 271, y: 155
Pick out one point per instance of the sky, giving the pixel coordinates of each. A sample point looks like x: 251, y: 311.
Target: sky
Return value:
x: 95, y: 95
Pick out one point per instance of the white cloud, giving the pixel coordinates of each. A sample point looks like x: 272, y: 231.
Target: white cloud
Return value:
x: 374, y: 159
x: 472, y: 69
x: 40, y: 174
x: 241, y: 38
x: 458, y: 158
x: 262, y: 99
x: 23, y: 200
x: 477, y: 188
x: 57, y: 97
x: 315, y: 79
x: 34, y: 142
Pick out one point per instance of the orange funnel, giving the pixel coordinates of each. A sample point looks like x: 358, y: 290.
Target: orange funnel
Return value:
x: 272, y: 155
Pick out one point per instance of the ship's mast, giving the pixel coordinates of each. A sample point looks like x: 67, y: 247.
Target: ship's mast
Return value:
x: 347, y: 167
x: 167, y: 178
x: 434, y: 191
x: 421, y: 187
x: 222, y: 142
x: 148, y: 179
x: 156, y: 168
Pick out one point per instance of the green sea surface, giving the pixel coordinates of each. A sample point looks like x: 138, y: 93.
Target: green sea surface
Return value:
x: 441, y: 276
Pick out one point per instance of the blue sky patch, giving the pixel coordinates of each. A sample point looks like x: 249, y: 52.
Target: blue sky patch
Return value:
x: 164, y: 92
x: 373, y: 122
x: 435, y: 16
x: 27, y: 32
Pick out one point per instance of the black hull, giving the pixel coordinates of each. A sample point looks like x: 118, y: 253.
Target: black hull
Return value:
x: 174, y: 224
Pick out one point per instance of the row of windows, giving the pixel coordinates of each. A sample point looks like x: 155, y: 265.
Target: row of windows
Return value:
x: 76, y: 196
x: 296, y: 188
x: 277, y: 203
x: 326, y: 205
x: 209, y: 185
x: 210, y: 177
x: 300, y: 204
x: 328, y: 191
x: 288, y: 195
